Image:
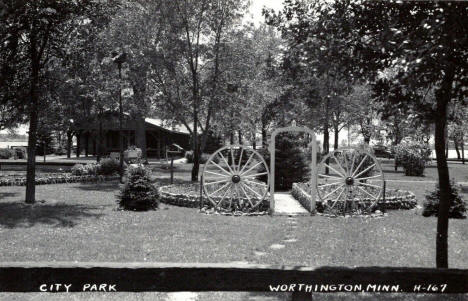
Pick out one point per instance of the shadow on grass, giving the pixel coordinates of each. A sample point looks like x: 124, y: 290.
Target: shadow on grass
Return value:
x: 21, y: 215
x: 8, y: 194
x: 104, y: 186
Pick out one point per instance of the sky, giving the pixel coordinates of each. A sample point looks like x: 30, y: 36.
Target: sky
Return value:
x: 257, y: 6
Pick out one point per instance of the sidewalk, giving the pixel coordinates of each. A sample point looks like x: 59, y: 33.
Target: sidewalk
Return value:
x: 285, y: 204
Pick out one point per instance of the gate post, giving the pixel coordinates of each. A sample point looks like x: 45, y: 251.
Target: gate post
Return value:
x: 313, y: 165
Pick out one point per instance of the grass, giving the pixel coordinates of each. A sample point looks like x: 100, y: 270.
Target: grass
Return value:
x: 80, y: 222
x: 457, y: 171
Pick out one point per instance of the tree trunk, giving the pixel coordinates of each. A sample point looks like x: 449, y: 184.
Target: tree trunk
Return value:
x: 444, y: 184
x: 196, y: 149
x: 264, y: 135
x: 455, y: 143
x: 78, y: 144
x: 69, y: 143
x: 326, y: 138
x: 86, y: 144
x: 32, y: 140
x: 239, y: 132
x: 462, y: 144
x: 231, y: 138
x: 100, y: 138
x: 446, y: 144
x: 398, y: 138
x: 254, y: 140
x: 32, y: 134
x: 326, y: 135
x: 336, y: 132
x: 94, y: 147
x: 442, y: 97
x: 140, y: 136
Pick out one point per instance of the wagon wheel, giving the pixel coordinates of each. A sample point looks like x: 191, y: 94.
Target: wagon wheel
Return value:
x: 236, y: 173
x: 349, y: 179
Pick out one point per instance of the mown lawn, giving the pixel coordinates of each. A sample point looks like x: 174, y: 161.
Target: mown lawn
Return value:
x: 457, y: 171
x: 80, y: 222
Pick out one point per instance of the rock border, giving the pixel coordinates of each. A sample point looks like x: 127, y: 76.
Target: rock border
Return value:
x: 192, y: 200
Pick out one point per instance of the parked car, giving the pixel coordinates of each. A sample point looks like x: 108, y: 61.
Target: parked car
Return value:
x: 381, y: 151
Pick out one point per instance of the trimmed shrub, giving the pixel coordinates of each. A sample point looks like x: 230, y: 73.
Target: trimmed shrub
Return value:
x: 78, y: 170
x: 91, y: 169
x: 108, y: 166
x: 138, y: 193
x: 6, y: 153
x: 457, y: 204
x: 413, y: 156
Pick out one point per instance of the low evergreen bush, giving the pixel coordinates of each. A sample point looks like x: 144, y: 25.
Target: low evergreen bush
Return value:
x: 412, y: 156
x: 108, y: 167
x: 291, y: 164
x: 138, y: 193
x: 457, y: 204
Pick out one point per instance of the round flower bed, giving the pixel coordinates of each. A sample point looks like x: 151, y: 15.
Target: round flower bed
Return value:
x: 188, y: 195
x: 56, y: 178
x: 394, y: 198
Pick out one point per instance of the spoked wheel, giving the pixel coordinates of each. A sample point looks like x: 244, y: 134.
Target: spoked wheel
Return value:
x: 349, y: 181
x: 236, y: 177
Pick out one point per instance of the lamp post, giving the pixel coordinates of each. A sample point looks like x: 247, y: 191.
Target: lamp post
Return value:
x: 119, y: 59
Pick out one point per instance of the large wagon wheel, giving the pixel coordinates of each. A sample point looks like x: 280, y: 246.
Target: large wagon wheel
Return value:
x: 235, y: 173
x: 349, y: 180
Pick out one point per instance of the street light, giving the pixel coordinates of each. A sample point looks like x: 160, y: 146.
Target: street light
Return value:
x: 119, y: 58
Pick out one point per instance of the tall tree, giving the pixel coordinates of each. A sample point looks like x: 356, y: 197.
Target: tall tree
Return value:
x: 426, y: 44
x: 190, y: 64
x: 39, y: 30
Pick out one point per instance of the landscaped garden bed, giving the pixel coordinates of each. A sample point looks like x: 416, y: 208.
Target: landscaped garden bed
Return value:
x: 53, y: 178
x: 188, y: 195
x: 394, y: 198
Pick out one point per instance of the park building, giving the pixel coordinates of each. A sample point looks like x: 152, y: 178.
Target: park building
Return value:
x: 105, y: 130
